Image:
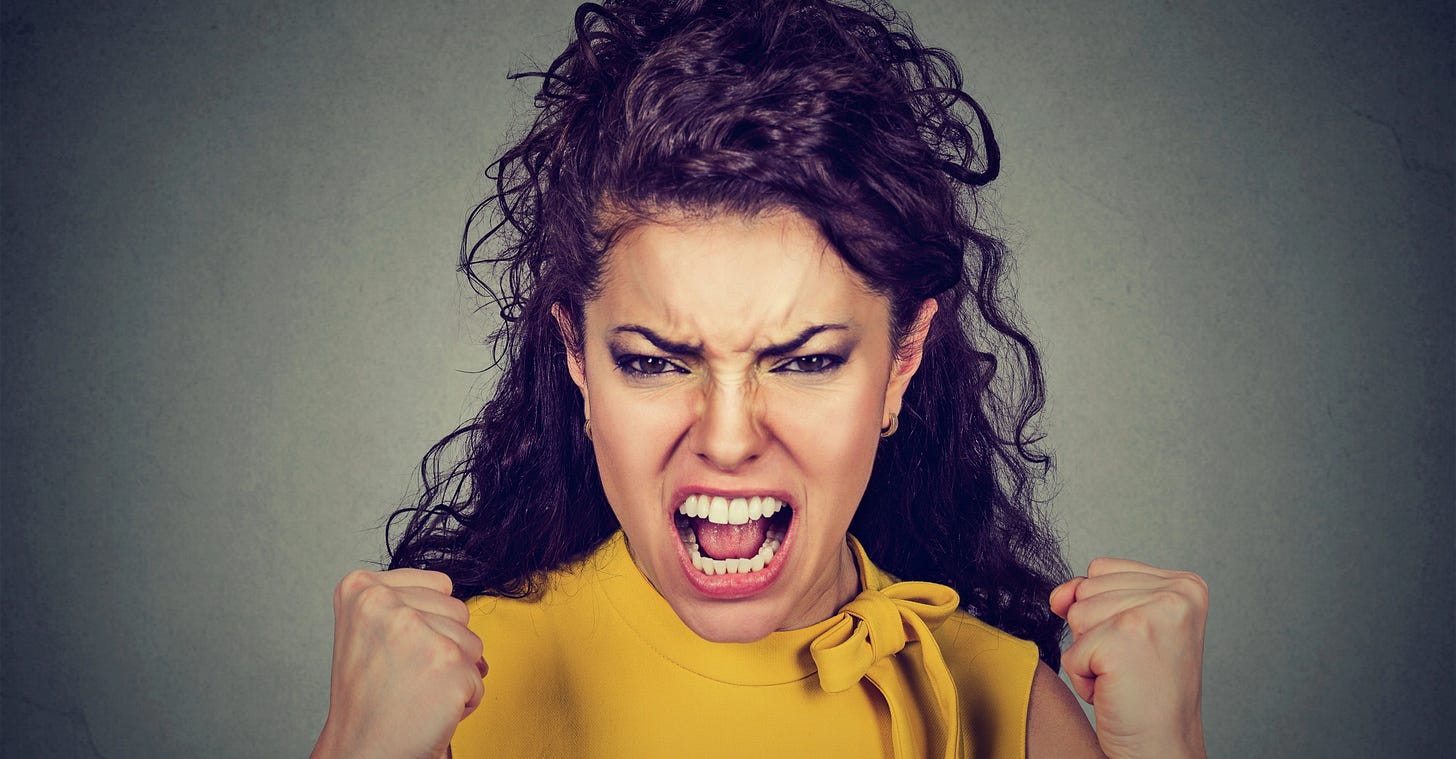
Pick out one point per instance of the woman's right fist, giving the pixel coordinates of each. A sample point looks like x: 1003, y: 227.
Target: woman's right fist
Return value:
x: 406, y: 667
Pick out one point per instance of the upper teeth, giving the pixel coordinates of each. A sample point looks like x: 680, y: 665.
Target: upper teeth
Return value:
x: 720, y: 510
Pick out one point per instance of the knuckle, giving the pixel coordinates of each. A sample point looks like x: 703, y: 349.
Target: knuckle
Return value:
x: 445, y: 581
x: 1074, y: 659
x: 406, y: 620
x: 1187, y: 613
x: 1098, y: 566
x: 352, y: 583
x: 1175, y: 603
x: 444, y: 655
x: 1077, y: 619
x: 374, y: 599
x: 1192, y: 587
x: 1133, y: 622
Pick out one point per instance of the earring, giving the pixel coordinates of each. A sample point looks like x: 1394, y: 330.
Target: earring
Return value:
x: 586, y: 428
x: 890, y: 428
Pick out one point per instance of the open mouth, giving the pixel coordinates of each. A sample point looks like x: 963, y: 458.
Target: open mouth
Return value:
x: 732, y: 535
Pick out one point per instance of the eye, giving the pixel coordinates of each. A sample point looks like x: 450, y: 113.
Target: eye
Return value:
x: 815, y: 364
x: 646, y: 366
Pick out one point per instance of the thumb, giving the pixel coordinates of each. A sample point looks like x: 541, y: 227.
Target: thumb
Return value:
x: 1063, y: 595
x: 1083, y: 685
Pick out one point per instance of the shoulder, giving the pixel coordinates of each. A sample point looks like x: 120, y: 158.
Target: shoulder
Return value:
x: 967, y: 635
x: 1006, y: 688
x: 556, y: 595
x: 556, y: 599
x: 996, y: 660
x: 1055, y: 723
x: 993, y: 672
x: 534, y: 647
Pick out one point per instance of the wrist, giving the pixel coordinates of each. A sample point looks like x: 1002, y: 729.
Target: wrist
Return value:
x: 1185, y: 745
x: 1188, y: 745
x: 331, y: 744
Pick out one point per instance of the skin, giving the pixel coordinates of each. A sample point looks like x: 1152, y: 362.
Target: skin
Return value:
x: 406, y: 667
x: 721, y: 411
x: 1137, y: 658
x: 686, y: 392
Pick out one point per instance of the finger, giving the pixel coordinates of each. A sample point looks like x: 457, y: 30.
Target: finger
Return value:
x: 1085, y: 686
x: 476, y: 695
x: 1088, y: 613
x: 1085, y: 663
x: 1105, y: 565
x: 475, y: 683
x: 416, y: 578
x: 1119, y: 581
x: 1123, y: 631
x: 471, y: 647
x: 1063, y: 595
x: 431, y: 601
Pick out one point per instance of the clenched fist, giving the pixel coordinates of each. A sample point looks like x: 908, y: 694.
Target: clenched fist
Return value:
x: 1138, y: 655
x: 406, y: 668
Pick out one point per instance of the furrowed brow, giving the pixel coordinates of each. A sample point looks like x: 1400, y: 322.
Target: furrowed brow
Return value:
x: 783, y: 349
x: 688, y: 349
x: 658, y: 341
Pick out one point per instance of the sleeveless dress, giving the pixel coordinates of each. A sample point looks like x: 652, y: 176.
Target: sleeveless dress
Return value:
x: 599, y: 665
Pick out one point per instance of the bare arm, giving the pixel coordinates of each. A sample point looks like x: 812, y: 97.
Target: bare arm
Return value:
x: 1055, y: 724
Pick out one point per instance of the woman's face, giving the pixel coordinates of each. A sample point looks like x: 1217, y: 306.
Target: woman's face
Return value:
x: 737, y: 374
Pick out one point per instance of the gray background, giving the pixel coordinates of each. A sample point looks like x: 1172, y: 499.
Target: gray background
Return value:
x: 231, y: 326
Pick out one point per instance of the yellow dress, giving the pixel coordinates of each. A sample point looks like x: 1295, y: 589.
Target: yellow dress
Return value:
x: 600, y: 666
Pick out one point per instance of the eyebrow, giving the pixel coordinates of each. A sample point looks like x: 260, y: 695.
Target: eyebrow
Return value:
x: 689, y: 349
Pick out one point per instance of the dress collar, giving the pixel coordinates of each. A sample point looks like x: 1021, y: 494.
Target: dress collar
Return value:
x: 863, y: 641
x: 782, y: 657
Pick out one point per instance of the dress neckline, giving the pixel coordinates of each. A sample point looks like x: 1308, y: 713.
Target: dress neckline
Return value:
x: 862, y: 642
x: 781, y: 657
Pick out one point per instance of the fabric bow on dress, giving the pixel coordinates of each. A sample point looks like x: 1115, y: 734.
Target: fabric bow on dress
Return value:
x: 871, y: 630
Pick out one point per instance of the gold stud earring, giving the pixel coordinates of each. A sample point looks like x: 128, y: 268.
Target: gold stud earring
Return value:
x: 586, y: 428
x: 890, y: 428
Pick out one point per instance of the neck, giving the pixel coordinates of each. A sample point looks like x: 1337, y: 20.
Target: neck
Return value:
x: 838, y: 589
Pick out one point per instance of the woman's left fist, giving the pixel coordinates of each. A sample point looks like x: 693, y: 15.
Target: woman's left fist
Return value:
x: 1137, y: 657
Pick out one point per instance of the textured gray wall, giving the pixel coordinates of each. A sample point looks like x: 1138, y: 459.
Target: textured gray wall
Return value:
x: 231, y: 325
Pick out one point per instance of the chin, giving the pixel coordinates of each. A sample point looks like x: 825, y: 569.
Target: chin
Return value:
x: 732, y: 624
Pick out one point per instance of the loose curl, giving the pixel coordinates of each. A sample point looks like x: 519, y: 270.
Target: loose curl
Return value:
x: 706, y: 107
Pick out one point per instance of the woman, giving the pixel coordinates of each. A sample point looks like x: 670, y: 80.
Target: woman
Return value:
x: 747, y: 315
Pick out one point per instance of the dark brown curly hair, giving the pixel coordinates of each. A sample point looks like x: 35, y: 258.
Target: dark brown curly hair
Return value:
x: 834, y: 110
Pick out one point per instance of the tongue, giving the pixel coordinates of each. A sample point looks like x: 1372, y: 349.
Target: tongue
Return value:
x: 730, y: 541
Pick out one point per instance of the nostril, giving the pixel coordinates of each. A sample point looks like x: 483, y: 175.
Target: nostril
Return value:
x: 727, y: 461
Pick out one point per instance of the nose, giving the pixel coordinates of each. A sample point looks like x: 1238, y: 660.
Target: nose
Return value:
x: 729, y: 431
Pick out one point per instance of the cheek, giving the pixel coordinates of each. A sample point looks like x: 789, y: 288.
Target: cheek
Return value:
x: 633, y: 438
x: 833, y: 437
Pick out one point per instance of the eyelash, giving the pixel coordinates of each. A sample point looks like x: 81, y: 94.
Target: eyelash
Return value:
x: 634, y: 365
x: 828, y: 363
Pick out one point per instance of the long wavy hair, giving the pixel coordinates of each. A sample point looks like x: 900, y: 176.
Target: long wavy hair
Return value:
x: 834, y: 110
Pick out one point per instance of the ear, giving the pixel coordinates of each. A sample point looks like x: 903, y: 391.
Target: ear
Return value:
x: 575, y: 361
x: 907, y: 360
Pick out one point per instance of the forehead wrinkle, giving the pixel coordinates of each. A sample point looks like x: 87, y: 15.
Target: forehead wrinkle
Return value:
x: 760, y: 324
x: 722, y: 296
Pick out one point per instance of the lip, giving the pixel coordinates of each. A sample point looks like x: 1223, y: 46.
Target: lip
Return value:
x: 732, y: 586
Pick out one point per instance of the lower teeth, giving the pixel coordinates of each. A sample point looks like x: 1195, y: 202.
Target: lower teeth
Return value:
x: 711, y: 566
